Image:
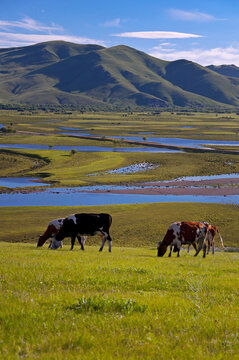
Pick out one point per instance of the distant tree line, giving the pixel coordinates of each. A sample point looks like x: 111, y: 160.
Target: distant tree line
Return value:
x: 69, y: 108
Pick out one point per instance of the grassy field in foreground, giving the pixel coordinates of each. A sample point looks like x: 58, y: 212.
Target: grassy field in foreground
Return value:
x: 127, y: 304
x: 136, y: 225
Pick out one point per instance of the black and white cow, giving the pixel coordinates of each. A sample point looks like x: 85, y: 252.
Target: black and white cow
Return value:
x: 81, y: 225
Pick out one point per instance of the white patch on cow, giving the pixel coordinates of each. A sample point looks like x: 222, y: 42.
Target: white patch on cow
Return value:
x: 57, y: 223
x: 72, y: 217
x: 55, y: 244
x: 177, y: 243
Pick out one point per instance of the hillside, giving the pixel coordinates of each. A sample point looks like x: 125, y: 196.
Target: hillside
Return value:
x: 58, y: 72
x: 227, y: 70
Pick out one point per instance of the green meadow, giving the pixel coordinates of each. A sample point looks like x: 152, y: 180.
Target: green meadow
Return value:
x: 174, y: 124
x: 135, y: 225
x: 125, y: 304
x: 63, y: 168
x: 128, y: 304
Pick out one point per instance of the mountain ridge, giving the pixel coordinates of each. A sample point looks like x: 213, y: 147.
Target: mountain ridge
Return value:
x: 59, y: 72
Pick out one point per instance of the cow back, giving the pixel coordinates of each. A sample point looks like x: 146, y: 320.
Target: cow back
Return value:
x: 91, y: 223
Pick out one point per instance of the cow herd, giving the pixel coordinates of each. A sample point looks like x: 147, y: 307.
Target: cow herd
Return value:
x: 201, y: 235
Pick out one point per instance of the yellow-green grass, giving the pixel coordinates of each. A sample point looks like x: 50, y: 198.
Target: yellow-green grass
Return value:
x: 125, y: 304
x: 51, y: 140
x: 206, y: 125
x: 74, y: 170
x: 136, y: 225
x: 13, y: 163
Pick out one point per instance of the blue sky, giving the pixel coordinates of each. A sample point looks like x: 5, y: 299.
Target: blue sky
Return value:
x: 206, y: 32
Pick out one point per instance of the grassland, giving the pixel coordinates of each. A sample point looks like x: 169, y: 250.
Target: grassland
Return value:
x: 127, y: 304
x: 217, y: 126
x: 65, y: 169
x: 136, y: 225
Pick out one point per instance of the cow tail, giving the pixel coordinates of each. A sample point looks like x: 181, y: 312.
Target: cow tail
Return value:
x: 220, y: 239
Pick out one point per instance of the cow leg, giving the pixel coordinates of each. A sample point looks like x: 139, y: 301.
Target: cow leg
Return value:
x: 213, y: 247
x: 199, y: 249
x: 108, y: 237
x: 109, y: 242
x: 178, y: 255
x: 73, y: 239
x: 208, y: 246
x: 170, y: 252
x: 103, y: 237
x: 81, y: 240
x: 204, y: 247
x: 188, y: 249
x: 195, y: 246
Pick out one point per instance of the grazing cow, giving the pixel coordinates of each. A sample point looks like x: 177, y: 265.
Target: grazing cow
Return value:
x: 85, y: 225
x: 52, y: 229
x: 189, y: 233
x: 212, y: 231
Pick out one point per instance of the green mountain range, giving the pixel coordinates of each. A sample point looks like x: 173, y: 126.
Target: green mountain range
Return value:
x: 227, y: 70
x: 59, y: 72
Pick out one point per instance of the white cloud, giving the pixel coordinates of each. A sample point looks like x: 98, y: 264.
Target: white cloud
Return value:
x: 112, y: 23
x: 35, y: 32
x: 29, y: 24
x: 6, y: 39
x: 157, y: 35
x: 167, y: 44
x: 194, y: 15
x: 214, y: 56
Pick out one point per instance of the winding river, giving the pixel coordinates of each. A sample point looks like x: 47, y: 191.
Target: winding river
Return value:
x: 83, y: 195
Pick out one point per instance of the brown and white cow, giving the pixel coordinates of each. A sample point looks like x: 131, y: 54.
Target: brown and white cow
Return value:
x: 190, y: 233
x: 82, y: 225
x: 52, y: 229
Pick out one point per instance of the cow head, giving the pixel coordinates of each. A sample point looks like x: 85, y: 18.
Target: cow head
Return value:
x: 162, y: 248
x: 41, y: 241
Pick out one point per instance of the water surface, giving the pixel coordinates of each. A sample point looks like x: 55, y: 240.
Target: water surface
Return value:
x: 86, y: 148
x: 66, y: 197
x: 209, y: 177
x: 193, y: 143
x: 16, y: 182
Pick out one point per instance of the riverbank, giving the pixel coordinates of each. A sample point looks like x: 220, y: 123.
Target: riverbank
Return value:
x: 214, y: 187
